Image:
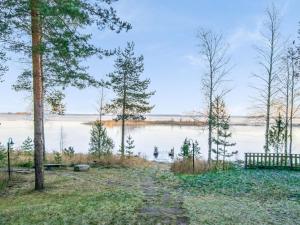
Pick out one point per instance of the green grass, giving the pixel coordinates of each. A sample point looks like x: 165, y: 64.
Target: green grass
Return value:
x: 115, y: 196
x: 97, y: 197
x: 243, y: 197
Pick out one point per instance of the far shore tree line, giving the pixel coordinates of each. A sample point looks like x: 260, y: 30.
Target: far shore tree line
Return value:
x: 53, y: 37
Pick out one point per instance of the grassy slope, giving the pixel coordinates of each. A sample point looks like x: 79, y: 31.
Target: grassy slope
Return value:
x: 244, y: 197
x: 114, y: 196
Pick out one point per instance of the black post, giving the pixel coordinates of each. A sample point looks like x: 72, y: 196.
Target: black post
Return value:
x: 193, y: 157
x: 8, y: 161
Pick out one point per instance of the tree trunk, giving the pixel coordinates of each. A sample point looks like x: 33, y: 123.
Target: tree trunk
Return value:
x: 37, y: 96
x: 287, y: 111
x: 210, y: 115
x: 270, y: 73
x: 267, y: 122
x: 123, y: 133
x: 218, y: 129
x: 123, y: 117
x: 292, y: 107
x: 43, y: 116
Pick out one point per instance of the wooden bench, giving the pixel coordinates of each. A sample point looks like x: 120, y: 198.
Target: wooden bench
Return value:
x: 54, y: 166
x: 272, y: 161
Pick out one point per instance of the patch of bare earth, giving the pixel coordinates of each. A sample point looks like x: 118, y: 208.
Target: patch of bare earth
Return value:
x: 161, y: 206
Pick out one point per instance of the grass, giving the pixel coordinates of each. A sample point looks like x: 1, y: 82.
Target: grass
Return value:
x: 97, y: 197
x: 243, y: 197
x: 117, y: 195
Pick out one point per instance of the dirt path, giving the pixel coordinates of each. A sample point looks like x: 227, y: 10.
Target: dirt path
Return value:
x: 162, y: 206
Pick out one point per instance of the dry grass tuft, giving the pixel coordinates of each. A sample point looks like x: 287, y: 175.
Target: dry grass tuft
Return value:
x: 186, y: 166
x: 23, y: 159
x: 118, y: 161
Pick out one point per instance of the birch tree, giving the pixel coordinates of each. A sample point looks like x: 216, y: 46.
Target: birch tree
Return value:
x: 269, y: 58
x: 294, y: 92
x: 284, y: 88
x: 213, y: 50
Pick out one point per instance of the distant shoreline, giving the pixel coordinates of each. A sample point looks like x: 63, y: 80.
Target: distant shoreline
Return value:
x: 151, y: 120
x: 113, y: 123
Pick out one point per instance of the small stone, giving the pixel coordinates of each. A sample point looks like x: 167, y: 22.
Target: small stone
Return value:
x: 81, y: 167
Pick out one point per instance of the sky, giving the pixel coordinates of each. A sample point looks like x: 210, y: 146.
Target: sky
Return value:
x: 164, y: 31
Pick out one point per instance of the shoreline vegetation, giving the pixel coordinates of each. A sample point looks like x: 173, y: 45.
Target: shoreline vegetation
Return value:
x: 113, y: 123
x: 151, y: 120
x: 150, y: 193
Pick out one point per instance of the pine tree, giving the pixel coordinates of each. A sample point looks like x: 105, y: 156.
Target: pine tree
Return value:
x: 129, y: 146
x: 69, y: 152
x: 224, y: 142
x: 3, y: 58
x: 51, y: 34
x: 219, y: 115
x: 185, y: 149
x: 221, y: 121
x: 277, y: 134
x: 100, y: 143
x: 132, y: 98
x: 188, y: 148
x: 3, y: 154
x: 28, y: 146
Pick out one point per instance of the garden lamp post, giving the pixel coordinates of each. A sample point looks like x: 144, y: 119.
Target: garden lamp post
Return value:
x: 10, y: 143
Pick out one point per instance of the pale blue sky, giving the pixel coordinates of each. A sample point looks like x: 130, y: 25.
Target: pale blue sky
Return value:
x: 165, y: 33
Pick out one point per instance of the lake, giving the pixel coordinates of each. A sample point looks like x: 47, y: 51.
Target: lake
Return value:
x: 76, y: 133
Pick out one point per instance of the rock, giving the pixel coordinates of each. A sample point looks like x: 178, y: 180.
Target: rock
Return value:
x: 81, y: 167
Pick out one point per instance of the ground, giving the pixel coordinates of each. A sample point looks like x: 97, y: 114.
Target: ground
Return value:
x: 153, y: 195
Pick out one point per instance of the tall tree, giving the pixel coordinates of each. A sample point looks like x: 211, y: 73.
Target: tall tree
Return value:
x: 53, y: 33
x: 214, y: 52
x: 284, y: 88
x: 3, y: 58
x: 269, y: 54
x: 293, y: 57
x: 132, y: 98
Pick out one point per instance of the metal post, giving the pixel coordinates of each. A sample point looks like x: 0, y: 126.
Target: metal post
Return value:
x: 8, y: 161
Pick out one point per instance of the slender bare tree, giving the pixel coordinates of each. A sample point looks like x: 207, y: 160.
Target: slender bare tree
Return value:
x: 284, y: 88
x: 213, y: 50
x: 294, y: 89
x: 269, y: 59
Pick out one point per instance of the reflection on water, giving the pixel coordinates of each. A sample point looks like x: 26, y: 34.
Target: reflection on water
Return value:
x: 76, y: 134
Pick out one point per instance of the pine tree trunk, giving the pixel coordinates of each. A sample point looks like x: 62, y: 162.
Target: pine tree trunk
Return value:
x: 123, y: 117
x: 37, y: 96
x: 123, y: 133
x: 43, y: 116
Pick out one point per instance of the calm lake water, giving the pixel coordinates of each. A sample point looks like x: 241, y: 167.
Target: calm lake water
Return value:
x: 165, y: 137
